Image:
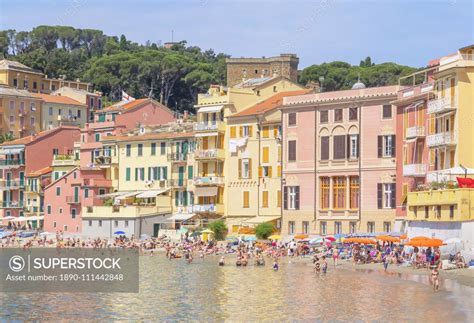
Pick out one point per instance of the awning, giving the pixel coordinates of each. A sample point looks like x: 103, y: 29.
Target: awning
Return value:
x: 205, y: 191
x: 11, y: 151
x: 127, y: 195
x: 207, y: 134
x: 181, y: 216
x: 151, y: 193
x: 35, y: 218
x: 114, y: 194
x: 20, y: 219
x: 215, y: 108
x: 262, y: 219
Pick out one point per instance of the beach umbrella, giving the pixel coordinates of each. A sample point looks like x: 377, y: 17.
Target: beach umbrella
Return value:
x: 301, y: 236
x: 419, y: 238
x: 274, y: 237
x: 207, y: 231
x: 332, y: 239
x: 119, y: 232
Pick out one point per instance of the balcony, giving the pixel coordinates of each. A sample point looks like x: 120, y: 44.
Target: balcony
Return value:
x: 11, y: 163
x: 64, y: 160
x: 123, y: 211
x: 441, y: 205
x: 97, y: 182
x: 11, y: 184
x: 12, y: 204
x: 177, y: 157
x: 440, y: 139
x: 73, y: 200
x: 208, y: 180
x: 179, y: 183
x: 210, y: 126
x: 208, y: 208
x: 414, y: 170
x: 440, y: 105
x: 414, y: 132
x: 209, y: 154
x: 22, y: 113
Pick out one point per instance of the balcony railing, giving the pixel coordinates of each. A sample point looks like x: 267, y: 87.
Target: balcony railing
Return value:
x: 440, y: 105
x: 415, y: 131
x: 73, y: 200
x: 416, y: 170
x: 209, y: 126
x: 205, y: 208
x: 440, y: 139
x: 208, y: 180
x: 12, y: 204
x: 12, y: 184
x: 209, y: 154
x: 11, y: 162
x: 177, y: 157
x: 128, y: 211
x: 179, y: 182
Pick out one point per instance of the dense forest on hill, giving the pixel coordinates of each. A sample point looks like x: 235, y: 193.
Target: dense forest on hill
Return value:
x: 173, y: 76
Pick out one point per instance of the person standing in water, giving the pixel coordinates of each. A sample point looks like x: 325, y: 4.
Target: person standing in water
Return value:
x: 435, y: 278
x: 324, y: 265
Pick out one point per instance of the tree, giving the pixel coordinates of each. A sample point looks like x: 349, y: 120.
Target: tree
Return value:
x: 264, y: 230
x: 6, y: 137
x: 219, y: 228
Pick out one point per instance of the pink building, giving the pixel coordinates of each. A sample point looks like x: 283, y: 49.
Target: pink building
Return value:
x: 28, y: 155
x: 339, y: 161
x: 65, y: 197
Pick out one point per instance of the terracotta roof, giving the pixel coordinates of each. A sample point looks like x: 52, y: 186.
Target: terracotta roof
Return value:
x: 40, y: 172
x: 39, y: 135
x: 125, y: 106
x: 152, y: 136
x: 269, y: 104
x: 344, y: 95
x: 57, y: 99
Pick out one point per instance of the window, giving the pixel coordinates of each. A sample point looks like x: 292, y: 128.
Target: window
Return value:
x: 265, y: 171
x: 353, y: 114
x: 292, y: 150
x: 97, y: 137
x: 292, y: 119
x: 127, y: 174
x: 265, y: 132
x: 15, y: 82
x: 325, y: 148
x: 140, y: 150
x: 153, y: 149
x: 58, y: 191
x: 126, y: 223
x: 265, y: 153
x: 86, y: 193
x: 100, y: 223
x: 325, y: 191
x: 116, y: 223
x: 292, y: 198
x: 305, y: 227
x: 12, y: 119
x: 190, y: 172
x: 73, y: 213
x: 352, y: 227
x: 139, y: 174
x: 35, y: 85
x: 54, y: 224
x: 387, y: 227
x: 162, y: 148
x: 233, y: 132
x: 323, y: 227
x: 32, y: 121
x: 78, y: 114
x: 323, y: 116
x: 353, y: 146
x: 291, y: 227
x: 339, y: 192
x: 337, y: 115
x: 337, y: 227
x: 387, y: 111
x: 370, y: 226
x: 451, y: 211
x: 246, y: 199
x: 386, y: 146
x: 354, y: 192
x: 427, y: 212
x: 244, y: 168
x: 55, y: 151
x: 245, y: 131
x: 265, y: 199
x: 339, y: 145
x: 386, y: 196
x: 50, y: 111
x: 90, y: 223
x: 129, y: 150
x: 49, y: 209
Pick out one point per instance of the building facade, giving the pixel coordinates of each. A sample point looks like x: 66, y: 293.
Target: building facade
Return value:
x: 339, y: 161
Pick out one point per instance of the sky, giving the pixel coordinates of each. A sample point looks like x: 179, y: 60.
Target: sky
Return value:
x: 408, y: 32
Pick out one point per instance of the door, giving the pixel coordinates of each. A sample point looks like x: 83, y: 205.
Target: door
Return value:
x: 180, y: 175
x: 156, y: 229
x: 9, y: 179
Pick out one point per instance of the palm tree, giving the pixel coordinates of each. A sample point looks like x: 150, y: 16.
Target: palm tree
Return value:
x: 6, y: 137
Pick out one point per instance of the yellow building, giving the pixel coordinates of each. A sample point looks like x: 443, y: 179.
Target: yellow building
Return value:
x: 446, y: 210
x: 20, y: 112
x: 22, y: 77
x: 217, y: 168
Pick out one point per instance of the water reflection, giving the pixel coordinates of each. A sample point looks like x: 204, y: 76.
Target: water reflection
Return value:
x: 173, y: 290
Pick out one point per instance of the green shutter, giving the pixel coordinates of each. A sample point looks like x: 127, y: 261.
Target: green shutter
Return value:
x: 165, y: 172
x: 176, y: 195
x: 158, y: 173
x: 185, y: 198
x: 127, y: 174
x: 149, y: 173
x: 136, y: 174
x: 142, y: 175
x: 190, y: 172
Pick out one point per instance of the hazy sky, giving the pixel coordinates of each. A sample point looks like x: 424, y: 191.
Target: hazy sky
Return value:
x: 409, y: 32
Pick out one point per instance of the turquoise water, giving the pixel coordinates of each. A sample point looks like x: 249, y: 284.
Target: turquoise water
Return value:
x: 174, y: 290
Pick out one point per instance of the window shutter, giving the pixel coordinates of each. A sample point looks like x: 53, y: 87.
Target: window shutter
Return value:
x: 265, y: 132
x: 250, y: 167
x: 250, y: 131
x: 241, y: 131
x: 136, y: 174
x: 269, y: 171
x: 176, y: 195
x: 285, y: 198
x: 190, y: 172
x: 185, y: 198
x: 292, y: 150
x: 265, y: 154
x: 348, y: 146
x: 339, y: 147
x: 297, y: 197
x: 240, y: 167
x: 149, y: 173
x: 394, y: 146
x: 260, y: 171
x: 158, y: 172
x: 379, y: 146
x: 279, y: 170
x: 379, y: 195
x: 393, y: 199
x: 358, y: 146
x: 165, y: 172
x: 324, y: 148
x: 232, y: 132
x: 275, y: 131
